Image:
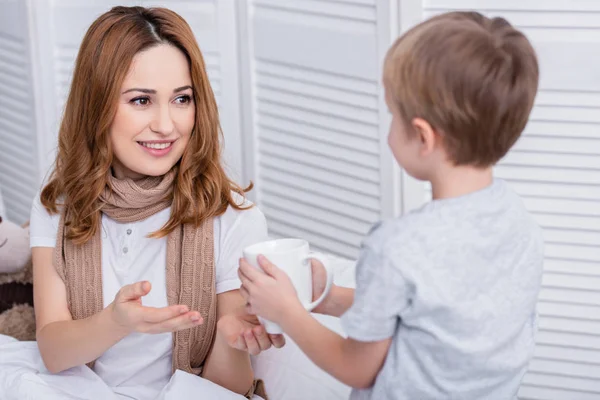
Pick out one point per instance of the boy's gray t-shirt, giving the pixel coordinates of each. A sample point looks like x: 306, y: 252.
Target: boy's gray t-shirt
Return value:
x: 455, y: 285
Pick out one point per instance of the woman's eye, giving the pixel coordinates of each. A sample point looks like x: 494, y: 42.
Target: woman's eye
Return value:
x: 183, y: 99
x: 140, y: 101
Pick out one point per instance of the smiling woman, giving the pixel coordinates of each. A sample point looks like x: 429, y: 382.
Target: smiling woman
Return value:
x: 137, y: 235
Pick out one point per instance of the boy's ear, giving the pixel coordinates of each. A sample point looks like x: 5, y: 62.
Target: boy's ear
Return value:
x: 426, y: 135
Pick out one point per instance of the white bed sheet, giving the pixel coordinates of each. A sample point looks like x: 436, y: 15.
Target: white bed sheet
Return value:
x: 24, y: 377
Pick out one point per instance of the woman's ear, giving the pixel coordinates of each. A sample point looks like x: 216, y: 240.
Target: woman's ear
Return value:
x: 426, y: 136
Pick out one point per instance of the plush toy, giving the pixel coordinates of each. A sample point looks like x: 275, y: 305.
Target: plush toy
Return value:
x: 17, y: 318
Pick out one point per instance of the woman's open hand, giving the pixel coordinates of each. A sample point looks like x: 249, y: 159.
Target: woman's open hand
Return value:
x: 129, y: 314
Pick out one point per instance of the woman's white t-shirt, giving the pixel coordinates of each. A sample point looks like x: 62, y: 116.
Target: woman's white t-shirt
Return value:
x: 140, y: 364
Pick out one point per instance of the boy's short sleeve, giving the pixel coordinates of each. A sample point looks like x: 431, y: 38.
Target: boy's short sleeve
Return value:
x: 380, y: 297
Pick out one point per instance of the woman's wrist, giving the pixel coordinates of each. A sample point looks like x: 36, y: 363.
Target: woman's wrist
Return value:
x: 327, y: 307
x: 107, y: 315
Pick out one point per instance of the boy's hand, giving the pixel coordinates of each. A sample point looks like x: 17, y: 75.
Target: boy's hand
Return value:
x: 269, y: 294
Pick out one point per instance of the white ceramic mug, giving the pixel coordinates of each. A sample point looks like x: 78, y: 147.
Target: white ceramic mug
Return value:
x: 293, y: 257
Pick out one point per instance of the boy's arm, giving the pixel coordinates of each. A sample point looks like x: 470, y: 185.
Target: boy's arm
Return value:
x: 271, y: 294
x: 350, y: 361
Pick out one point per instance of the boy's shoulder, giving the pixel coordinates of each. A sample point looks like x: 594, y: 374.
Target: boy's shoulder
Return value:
x: 394, y: 234
x: 497, y: 209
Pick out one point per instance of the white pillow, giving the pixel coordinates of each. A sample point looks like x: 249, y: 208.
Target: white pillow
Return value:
x: 289, y: 375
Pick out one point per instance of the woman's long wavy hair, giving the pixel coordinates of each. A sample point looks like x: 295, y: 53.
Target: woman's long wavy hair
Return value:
x: 201, y: 190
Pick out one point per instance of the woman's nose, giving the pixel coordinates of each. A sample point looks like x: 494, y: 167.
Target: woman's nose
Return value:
x: 162, y: 122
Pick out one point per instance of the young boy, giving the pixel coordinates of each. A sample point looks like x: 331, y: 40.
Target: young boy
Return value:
x: 445, y: 299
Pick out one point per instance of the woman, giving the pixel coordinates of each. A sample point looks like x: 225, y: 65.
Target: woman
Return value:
x: 137, y: 235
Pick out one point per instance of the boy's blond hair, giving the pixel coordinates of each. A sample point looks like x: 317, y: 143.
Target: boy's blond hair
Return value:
x: 474, y: 79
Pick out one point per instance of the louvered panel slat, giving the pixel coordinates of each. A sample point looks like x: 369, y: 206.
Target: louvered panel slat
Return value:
x: 569, y: 353
x: 325, y: 230
x: 318, y: 242
x: 565, y: 114
x: 317, y: 214
x: 21, y: 173
x: 270, y: 123
x: 318, y: 92
x: 361, y: 12
x: 17, y: 172
x: 578, y: 296
x: 576, y: 340
x: 278, y: 138
x: 556, y: 6
x: 562, y: 129
x: 569, y: 281
x: 574, y: 252
x: 20, y: 204
x: 278, y: 189
x: 570, y: 325
x: 558, y: 190
x: 571, y: 236
x: 555, y: 167
x: 545, y: 174
x: 585, y: 253
x: 569, y: 98
x: 361, y: 206
x: 548, y: 145
x: 319, y: 120
x: 562, y: 160
x: 285, y: 96
x: 539, y: 392
x: 570, y: 267
x: 591, y: 313
x: 566, y: 221
x: 564, y: 382
x: 304, y: 158
x: 572, y: 207
x: 213, y: 70
x: 18, y: 152
x: 334, y: 180
x: 315, y: 78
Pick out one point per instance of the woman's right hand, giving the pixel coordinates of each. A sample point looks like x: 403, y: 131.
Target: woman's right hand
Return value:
x: 129, y: 314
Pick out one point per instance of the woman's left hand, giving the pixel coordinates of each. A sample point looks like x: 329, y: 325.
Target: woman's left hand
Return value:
x: 243, y: 331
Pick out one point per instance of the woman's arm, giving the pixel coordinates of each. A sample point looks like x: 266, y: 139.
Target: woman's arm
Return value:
x: 337, y: 302
x: 225, y: 365
x: 66, y: 343
x: 63, y: 342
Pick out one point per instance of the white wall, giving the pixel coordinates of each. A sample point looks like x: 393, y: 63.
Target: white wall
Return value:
x: 304, y: 117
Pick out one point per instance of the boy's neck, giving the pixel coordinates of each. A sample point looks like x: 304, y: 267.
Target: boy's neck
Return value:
x: 459, y: 181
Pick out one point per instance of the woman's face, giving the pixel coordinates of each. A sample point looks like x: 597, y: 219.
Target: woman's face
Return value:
x: 155, y: 115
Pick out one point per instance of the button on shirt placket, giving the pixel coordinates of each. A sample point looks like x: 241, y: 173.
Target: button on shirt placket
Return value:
x: 126, y: 251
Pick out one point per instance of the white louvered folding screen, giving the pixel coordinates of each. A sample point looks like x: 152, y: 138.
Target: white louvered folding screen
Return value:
x: 18, y: 146
x: 555, y: 167
x: 321, y: 164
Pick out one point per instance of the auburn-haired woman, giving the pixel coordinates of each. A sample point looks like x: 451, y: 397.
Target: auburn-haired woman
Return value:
x: 137, y: 234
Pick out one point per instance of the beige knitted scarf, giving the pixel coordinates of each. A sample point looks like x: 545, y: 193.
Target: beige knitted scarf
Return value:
x: 190, y: 271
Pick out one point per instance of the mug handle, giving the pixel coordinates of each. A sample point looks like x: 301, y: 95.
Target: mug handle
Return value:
x: 320, y: 257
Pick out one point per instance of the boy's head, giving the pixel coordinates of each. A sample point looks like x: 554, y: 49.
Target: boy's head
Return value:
x: 460, y: 87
